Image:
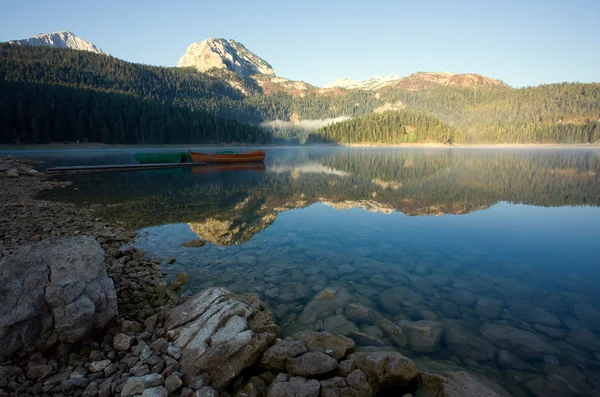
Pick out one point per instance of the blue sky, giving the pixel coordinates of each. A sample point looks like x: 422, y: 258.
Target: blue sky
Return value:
x: 522, y: 42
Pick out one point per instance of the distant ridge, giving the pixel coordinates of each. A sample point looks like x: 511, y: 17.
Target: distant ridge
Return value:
x: 62, y: 39
x: 417, y: 81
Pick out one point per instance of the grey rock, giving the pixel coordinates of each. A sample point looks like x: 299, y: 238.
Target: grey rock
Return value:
x: 172, y: 383
x: 59, y: 40
x: 310, y: 364
x: 552, y: 386
x: 584, y: 339
x: 339, y: 345
x: 220, y: 333
x: 394, y: 299
x: 463, y: 297
x: 556, y: 333
x: 345, y: 269
x: 459, y: 384
x: 174, y: 352
x: 12, y: 173
x: 285, y: 386
x: 206, y: 391
x: 424, y: 336
x: 355, y: 385
x: 276, y: 356
x: 54, y: 291
x: 523, y: 344
x: 385, y: 369
x: 339, y: 324
x: 508, y: 360
x: 91, y: 390
x: 369, y: 336
x: 540, y: 316
x: 465, y: 344
x: 488, y: 308
x: 129, y: 326
x: 122, y: 342
x: 7, y: 373
x: 361, y: 314
x: 589, y: 316
x: 97, y: 366
x: 324, y: 303
x: 38, y: 370
x: 137, y: 384
x: 393, y: 333
x: 158, y: 391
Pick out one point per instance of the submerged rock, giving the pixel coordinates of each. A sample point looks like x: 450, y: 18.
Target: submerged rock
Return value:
x: 220, y: 333
x: 385, y: 369
x: 463, y: 343
x: 54, y: 291
x: 423, y: 336
x: 336, y: 346
x: 276, y: 356
x: 523, y: 344
x: 323, y: 304
x: 458, y: 384
x: 361, y: 314
x: 584, y: 339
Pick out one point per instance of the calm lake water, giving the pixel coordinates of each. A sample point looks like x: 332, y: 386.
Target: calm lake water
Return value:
x: 500, y: 248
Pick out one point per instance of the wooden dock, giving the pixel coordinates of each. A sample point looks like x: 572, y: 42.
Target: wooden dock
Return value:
x: 88, y: 169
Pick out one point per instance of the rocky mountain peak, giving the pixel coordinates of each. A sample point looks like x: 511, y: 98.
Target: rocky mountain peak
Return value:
x: 62, y: 39
x: 224, y: 54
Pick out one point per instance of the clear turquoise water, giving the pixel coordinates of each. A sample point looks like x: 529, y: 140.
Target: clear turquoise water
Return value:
x: 519, y: 227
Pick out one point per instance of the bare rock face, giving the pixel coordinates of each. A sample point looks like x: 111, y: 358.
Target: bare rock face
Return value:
x: 220, y: 334
x: 224, y: 54
x: 59, y: 40
x: 54, y: 291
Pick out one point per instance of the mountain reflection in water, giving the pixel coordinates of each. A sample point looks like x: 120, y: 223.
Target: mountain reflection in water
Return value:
x: 344, y: 240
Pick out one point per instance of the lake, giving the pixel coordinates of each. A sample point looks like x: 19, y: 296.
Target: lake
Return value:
x: 486, y: 259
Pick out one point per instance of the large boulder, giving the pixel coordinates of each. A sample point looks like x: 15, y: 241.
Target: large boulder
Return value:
x: 385, y: 369
x: 220, y: 334
x: 523, y: 344
x: 276, y: 356
x: 54, y: 291
x: 311, y: 364
x: 355, y: 385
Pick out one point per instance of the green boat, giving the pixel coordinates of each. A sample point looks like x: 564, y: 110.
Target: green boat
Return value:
x: 150, y: 158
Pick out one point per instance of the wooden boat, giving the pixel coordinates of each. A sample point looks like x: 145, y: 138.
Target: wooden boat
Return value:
x: 228, y: 157
x: 149, y: 158
x: 256, y: 167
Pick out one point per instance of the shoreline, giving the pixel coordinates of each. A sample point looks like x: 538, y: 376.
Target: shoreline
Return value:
x: 6, y: 149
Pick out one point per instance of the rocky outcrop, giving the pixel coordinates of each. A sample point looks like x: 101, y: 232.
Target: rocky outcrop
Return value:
x: 60, y: 40
x: 218, y: 53
x: 54, y: 291
x: 220, y: 334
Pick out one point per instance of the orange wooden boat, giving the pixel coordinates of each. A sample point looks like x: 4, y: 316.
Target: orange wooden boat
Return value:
x: 228, y: 157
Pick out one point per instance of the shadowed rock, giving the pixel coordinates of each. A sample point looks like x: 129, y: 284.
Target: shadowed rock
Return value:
x: 52, y: 291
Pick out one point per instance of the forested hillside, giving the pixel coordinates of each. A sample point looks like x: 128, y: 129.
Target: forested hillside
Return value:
x: 68, y: 94
x: 391, y: 128
x: 36, y: 113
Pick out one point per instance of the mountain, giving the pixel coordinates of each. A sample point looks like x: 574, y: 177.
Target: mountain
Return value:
x: 217, y: 53
x: 370, y: 84
x: 60, y: 40
x: 418, y: 81
x: 424, y: 80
